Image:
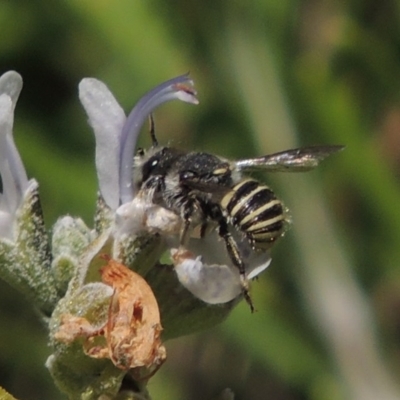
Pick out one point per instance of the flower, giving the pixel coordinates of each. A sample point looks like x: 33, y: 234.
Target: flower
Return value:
x: 201, y: 267
x: 63, y: 278
x: 12, y: 171
x: 116, y: 135
x: 25, y: 257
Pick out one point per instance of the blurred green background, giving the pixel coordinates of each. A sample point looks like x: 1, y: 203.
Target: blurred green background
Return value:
x: 271, y: 75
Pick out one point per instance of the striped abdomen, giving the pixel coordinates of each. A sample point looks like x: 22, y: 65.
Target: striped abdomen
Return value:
x: 254, y: 209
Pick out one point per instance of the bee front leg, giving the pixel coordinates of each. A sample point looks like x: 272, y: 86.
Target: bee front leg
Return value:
x: 153, y: 187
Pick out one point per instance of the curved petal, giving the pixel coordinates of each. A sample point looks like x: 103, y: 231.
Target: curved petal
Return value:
x: 213, y: 251
x: 206, y: 270
x: 212, y: 283
x: 9, y: 200
x: 107, y: 119
x: 16, y: 166
x: 11, y: 84
x: 178, y: 88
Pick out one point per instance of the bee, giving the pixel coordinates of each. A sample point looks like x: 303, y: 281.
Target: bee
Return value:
x: 206, y: 190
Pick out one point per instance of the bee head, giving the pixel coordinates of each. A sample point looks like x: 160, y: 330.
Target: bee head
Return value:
x: 156, y: 162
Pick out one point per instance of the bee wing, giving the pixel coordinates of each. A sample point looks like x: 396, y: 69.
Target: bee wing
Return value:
x: 294, y: 160
x: 207, y: 187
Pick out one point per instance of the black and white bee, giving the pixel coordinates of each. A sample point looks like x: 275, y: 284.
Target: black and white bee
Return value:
x: 209, y: 192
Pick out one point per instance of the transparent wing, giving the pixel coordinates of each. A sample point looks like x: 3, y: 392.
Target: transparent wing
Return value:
x: 294, y: 160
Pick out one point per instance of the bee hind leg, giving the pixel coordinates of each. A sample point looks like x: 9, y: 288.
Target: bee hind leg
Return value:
x: 234, y: 254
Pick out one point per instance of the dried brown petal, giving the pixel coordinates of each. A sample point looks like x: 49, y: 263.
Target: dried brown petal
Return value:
x: 132, y: 332
x: 133, y: 329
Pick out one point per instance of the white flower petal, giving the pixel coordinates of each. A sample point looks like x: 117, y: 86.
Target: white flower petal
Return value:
x: 140, y: 215
x: 206, y: 270
x: 16, y: 166
x: 6, y: 220
x: 107, y: 119
x: 213, y: 251
x: 179, y: 88
x: 130, y: 218
x: 12, y: 170
x: 10, y: 195
x: 212, y: 283
x: 11, y: 84
x: 6, y: 117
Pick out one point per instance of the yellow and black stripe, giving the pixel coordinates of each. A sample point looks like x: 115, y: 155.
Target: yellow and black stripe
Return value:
x: 254, y: 209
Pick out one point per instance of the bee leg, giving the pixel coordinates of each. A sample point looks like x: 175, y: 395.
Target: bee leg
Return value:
x: 188, y: 210
x: 234, y: 254
x: 153, y: 186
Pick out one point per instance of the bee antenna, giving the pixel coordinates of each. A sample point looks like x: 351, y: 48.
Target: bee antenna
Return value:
x: 153, y: 131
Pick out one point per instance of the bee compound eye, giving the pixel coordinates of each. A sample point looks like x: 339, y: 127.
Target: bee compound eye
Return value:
x: 148, y: 168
